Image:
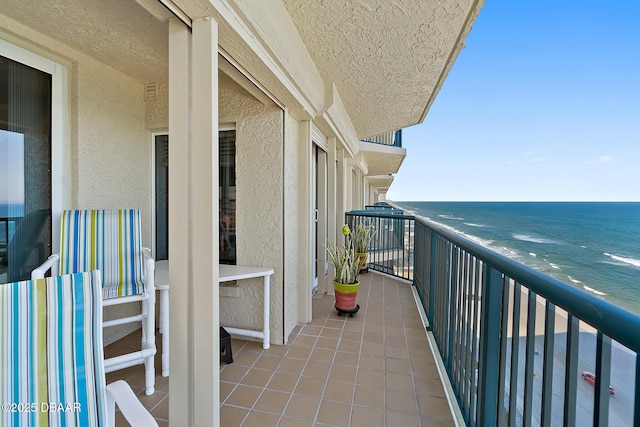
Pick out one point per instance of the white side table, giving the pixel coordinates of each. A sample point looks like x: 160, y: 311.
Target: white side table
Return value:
x: 227, y: 273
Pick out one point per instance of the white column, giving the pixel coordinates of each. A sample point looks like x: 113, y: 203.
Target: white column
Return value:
x: 193, y: 211
x: 181, y: 381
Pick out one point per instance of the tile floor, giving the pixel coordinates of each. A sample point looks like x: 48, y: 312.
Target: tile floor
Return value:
x: 373, y: 369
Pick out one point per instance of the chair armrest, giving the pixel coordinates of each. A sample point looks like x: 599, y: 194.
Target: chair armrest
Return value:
x: 50, y: 263
x: 129, y: 404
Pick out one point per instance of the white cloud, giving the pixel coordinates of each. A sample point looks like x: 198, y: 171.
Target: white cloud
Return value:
x: 601, y: 159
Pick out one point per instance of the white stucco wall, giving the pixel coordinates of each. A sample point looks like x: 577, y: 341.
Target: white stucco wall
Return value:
x: 259, y: 206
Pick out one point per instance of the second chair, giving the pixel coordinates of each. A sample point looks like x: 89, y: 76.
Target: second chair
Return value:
x: 111, y: 241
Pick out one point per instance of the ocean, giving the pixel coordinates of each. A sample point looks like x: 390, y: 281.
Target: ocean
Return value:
x: 594, y: 246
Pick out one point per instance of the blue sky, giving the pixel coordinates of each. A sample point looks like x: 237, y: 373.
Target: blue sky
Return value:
x: 543, y: 103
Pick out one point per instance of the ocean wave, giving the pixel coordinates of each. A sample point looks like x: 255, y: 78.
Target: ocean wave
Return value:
x: 450, y: 217
x: 573, y: 280
x: 532, y: 239
x: 533, y: 254
x: 593, y: 291
x: 471, y: 224
x: 625, y: 260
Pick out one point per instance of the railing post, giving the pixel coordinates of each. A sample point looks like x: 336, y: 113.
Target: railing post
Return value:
x: 488, y: 372
x: 432, y: 278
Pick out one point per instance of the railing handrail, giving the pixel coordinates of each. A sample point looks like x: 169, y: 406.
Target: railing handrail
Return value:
x: 615, y: 322
x: 392, y: 139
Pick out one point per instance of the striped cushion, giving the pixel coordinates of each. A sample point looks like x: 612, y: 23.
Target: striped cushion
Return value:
x: 109, y: 241
x: 51, y: 359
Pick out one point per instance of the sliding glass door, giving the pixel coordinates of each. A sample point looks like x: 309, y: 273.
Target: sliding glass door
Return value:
x: 25, y: 169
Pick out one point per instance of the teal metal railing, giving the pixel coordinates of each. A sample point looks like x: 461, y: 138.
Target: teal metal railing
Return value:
x: 393, y: 139
x: 514, y: 342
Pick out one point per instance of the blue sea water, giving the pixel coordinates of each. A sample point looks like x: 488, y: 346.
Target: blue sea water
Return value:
x: 594, y: 246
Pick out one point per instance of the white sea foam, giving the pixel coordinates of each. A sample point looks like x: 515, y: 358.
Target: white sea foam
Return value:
x: 533, y: 239
x: 471, y: 224
x: 556, y: 266
x: 573, y: 280
x: 593, y: 291
x: 625, y: 260
x: 450, y: 217
x: 533, y: 254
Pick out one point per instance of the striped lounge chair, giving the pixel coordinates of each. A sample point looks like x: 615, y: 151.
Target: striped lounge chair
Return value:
x: 51, y: 356
x: 110, y: 241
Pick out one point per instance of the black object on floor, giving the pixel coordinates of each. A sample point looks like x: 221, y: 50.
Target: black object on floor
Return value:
x: 225, y: 346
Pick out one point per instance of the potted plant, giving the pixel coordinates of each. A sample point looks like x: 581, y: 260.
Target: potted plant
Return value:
x: 345, y: 283
x: 362, y: 236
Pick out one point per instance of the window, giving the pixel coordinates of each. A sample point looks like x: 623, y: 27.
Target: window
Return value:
x: 226, y: 190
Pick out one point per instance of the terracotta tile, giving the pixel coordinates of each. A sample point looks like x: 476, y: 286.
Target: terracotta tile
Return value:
x: 349, y: 346
x: 244, y: 396
x: 233, y: 373
x: 369, y: 396
x: 345, y: 374
x: 304, y: 340
x: 304, y: 407
x: 267, y: 362
x: 257, y: 377
x: 283, y: 382
x: 245, y: 358
x: 399, y: 382
x: 373, y: 349
x: 399, y: 366
x: 273, y: 401
x: 341, y: 392
x: 334, y: 413
x: 347, y: 359
x: 225, y: 390
x: 292, y: 366
x: 401, y: 419
x: 351, y: 335
x: 401, y: 402
x: 231, y: 416
x: 434, y: 407
x: 335, y: 324
x: 277, y: 350
x: 371, y: 378
x: 310, y: 386
x: 299, y: 352
x: 260, y: 419
x: 367, y: 417
x: 151, y: 401
x: 294, y: 422
x: 436, y: 422
x: 161, y: 410
x: 371, y: 362
x: 316, y: 369
x: 330, y: 333
x: 322, y: 355
x: 311, y: 330
x: 328, y: 343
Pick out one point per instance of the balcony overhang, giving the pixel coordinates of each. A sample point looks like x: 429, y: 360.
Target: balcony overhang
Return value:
x: 382, y: 159
x: 380, y: 182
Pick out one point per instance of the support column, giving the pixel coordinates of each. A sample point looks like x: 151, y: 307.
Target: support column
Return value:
x: 193, y: 211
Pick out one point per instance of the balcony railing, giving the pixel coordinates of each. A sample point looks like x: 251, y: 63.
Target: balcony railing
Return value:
x: 393, y: 139
x: 514, y: 341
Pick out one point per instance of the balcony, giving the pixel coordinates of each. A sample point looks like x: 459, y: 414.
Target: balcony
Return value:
x: 514, y: 342
x: 383, y: 154
x: 374, y: 369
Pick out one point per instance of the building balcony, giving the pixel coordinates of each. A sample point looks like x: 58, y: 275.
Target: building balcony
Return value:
x: 383, y: 154
x: 374, y: 369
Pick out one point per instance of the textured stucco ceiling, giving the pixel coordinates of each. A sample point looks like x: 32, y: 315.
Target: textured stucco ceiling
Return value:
x: 387, y: 58
x: 120, y: 33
